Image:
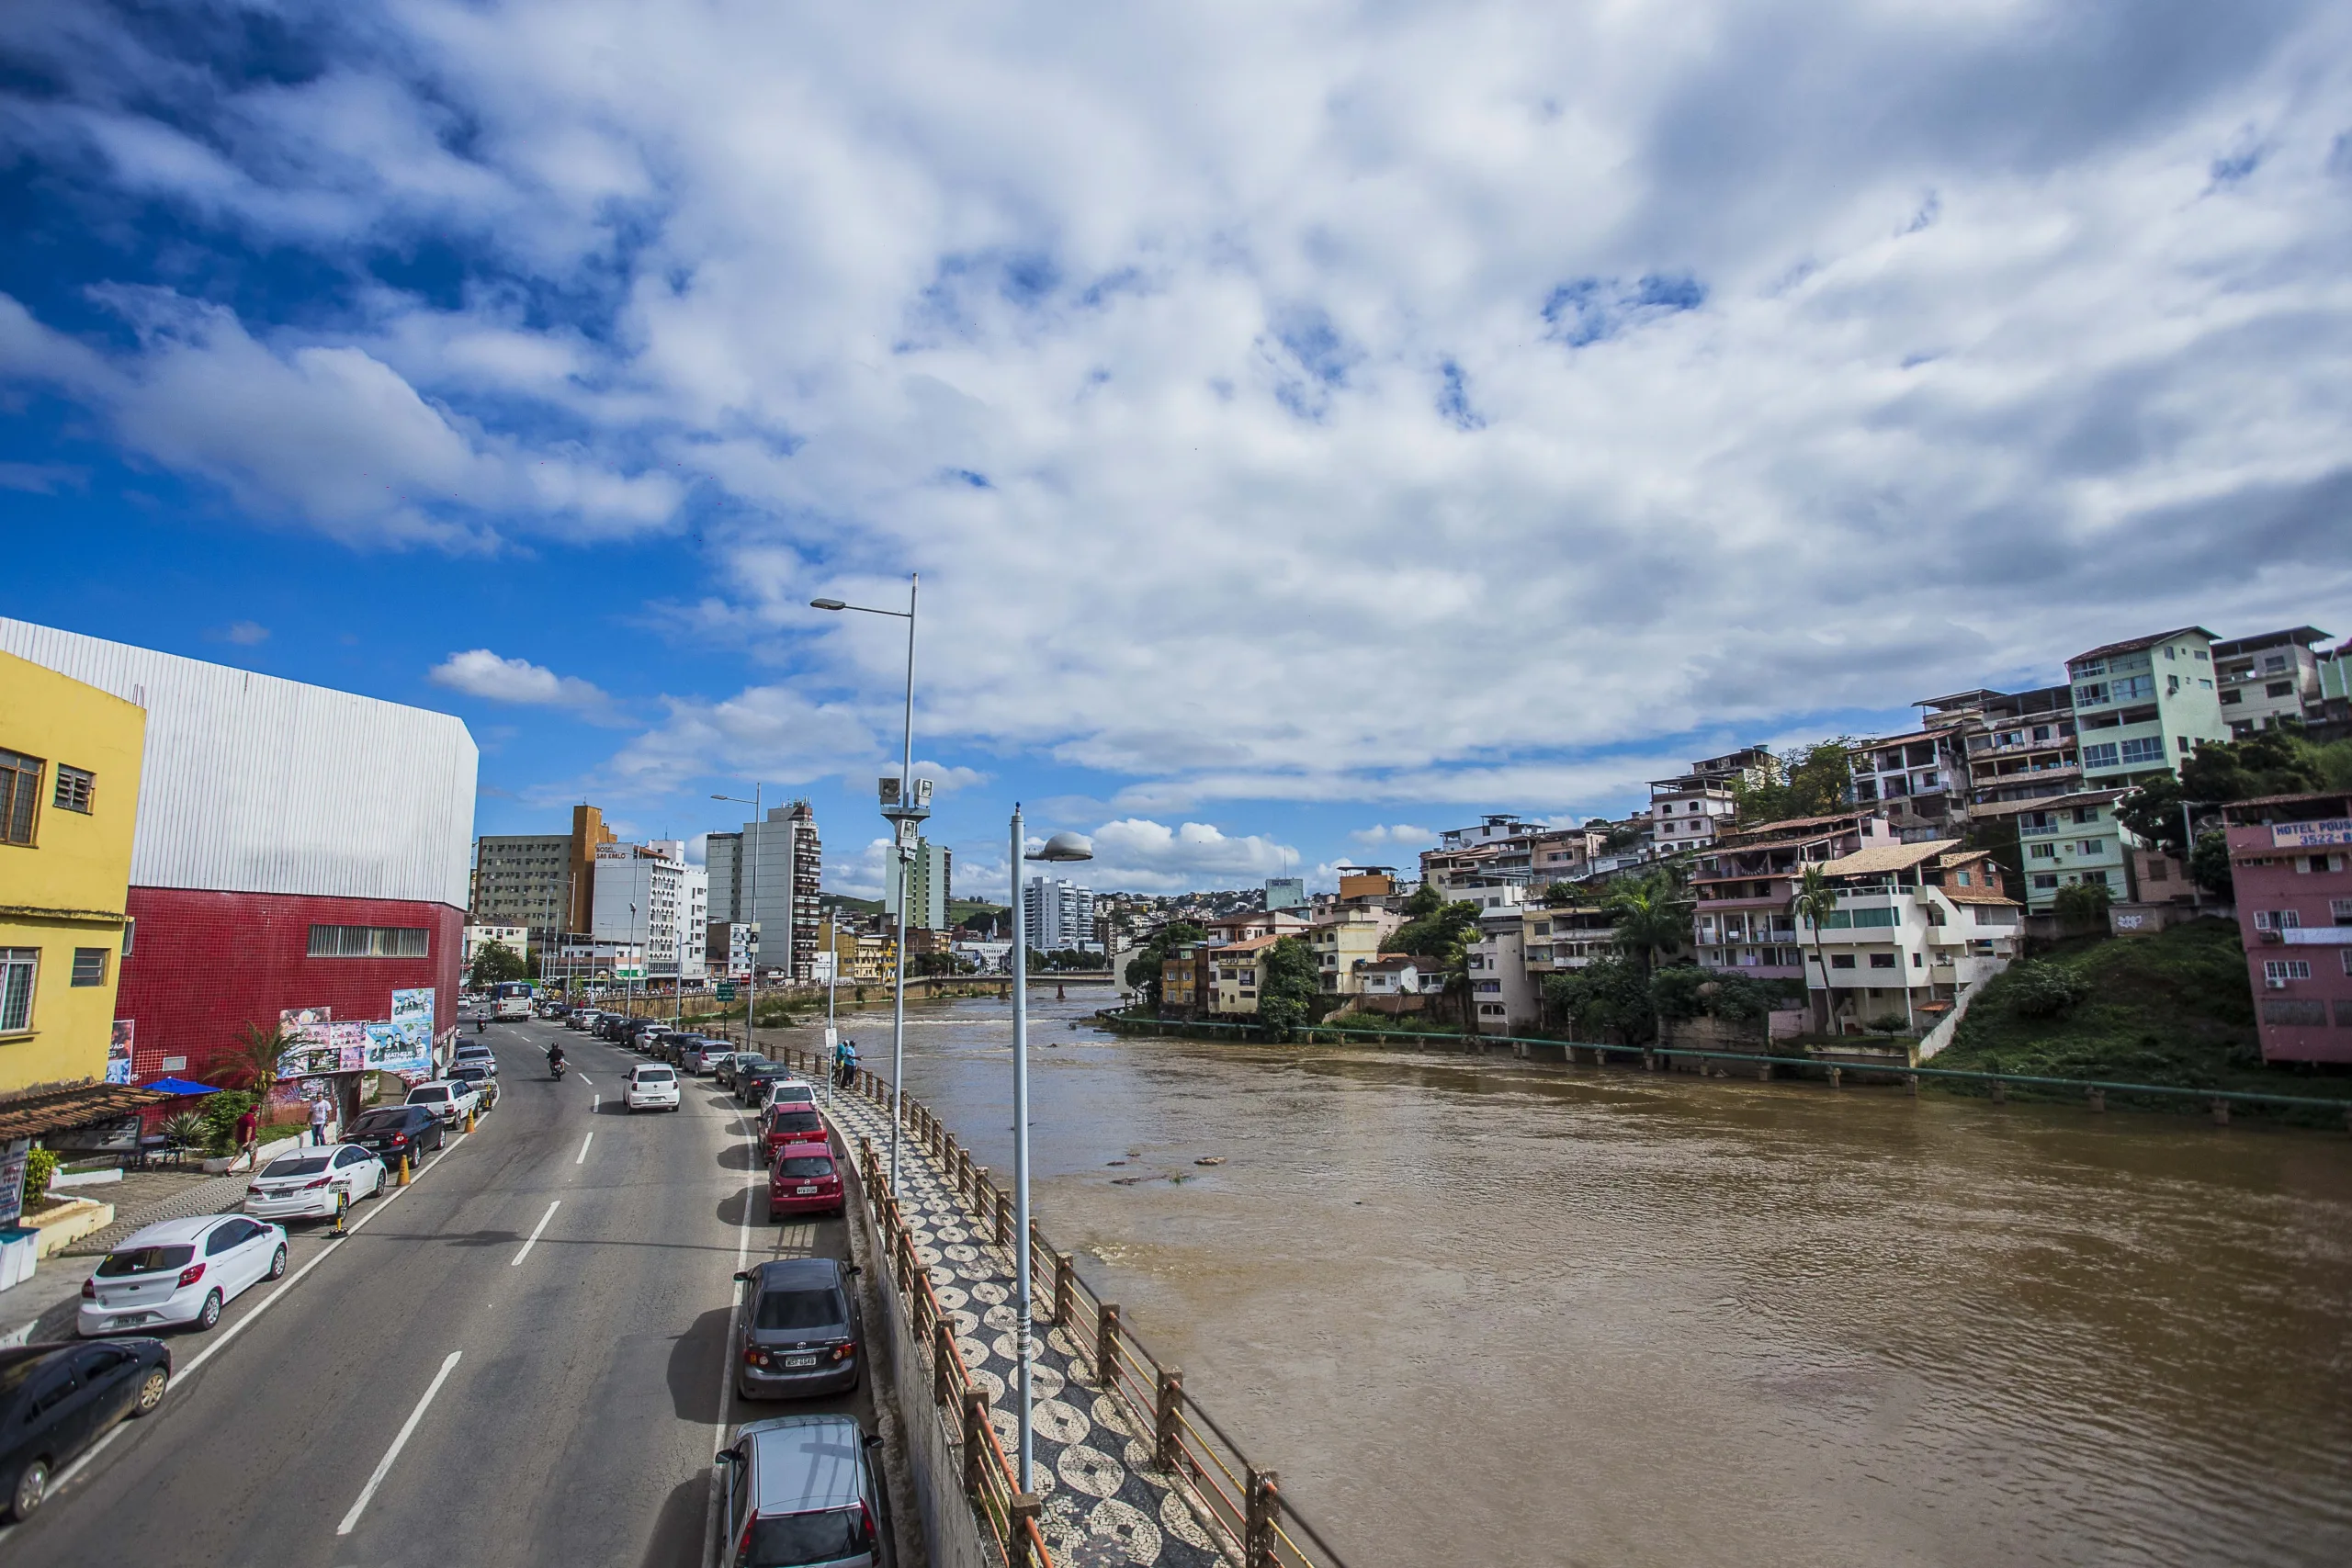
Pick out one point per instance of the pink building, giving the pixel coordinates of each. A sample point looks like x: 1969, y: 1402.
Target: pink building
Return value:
x: 2290, y: 858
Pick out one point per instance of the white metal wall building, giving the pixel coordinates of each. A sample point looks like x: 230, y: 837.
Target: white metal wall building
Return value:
x: 258, y: 785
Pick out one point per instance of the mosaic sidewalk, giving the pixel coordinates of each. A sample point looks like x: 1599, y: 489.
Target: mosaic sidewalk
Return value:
x: 1104, y: 1502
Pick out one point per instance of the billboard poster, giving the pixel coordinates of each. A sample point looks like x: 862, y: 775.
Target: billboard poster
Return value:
x: 310, y: 1051
x: 413, y: 1012
x: 118, y: 1052
x: 2311, y: 835
x: 299, y: 1020
x: 350, y: 1043
x: 389, y: 1050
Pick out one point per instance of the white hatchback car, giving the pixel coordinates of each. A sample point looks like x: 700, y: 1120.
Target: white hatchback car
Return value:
x: 449, y: 1098
x: 652, y: 1087
x: 180, y: 1272
x: 314, y: 1183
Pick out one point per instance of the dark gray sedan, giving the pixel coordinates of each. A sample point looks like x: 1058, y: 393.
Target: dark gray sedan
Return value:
x: 801, y: 1330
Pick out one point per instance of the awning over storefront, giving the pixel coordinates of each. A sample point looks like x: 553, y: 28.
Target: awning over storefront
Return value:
x: 53, y: 1110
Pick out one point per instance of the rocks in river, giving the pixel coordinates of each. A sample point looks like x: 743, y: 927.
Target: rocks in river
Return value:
x: 1210, y: 1159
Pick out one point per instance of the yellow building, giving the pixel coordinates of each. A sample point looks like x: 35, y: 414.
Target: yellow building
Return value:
x: 69, y: 793
x: 860, y: 957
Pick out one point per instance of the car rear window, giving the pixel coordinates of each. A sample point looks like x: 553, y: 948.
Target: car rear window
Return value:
x: 379, y: 1122
x: 819, y: 1308
x: 796, y: 1122
x: 655, y: 1074
x: 298, y: 1165
x: 144, y: 1260
x: 768, y: 1070
x: 427, y: 1096
x: 804, y: 1164
x: 797, y: 1539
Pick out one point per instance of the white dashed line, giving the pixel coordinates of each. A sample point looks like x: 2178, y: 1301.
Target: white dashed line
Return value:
x: 536, y: 1231
x: 408, y: 1429
x: 581, y: 1157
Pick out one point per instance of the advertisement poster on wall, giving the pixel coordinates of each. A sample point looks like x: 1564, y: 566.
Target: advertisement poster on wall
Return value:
x: 311, y: 1050
x: 119, y: 1053
x: 350, y: 1043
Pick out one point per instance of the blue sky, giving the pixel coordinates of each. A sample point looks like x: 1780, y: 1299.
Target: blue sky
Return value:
x: 1313, y: 427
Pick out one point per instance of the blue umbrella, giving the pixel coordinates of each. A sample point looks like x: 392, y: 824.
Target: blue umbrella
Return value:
x: 182, y: 1085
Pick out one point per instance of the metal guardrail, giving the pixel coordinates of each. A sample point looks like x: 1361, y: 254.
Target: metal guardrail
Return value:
x: 1242, y: 1507
x: 1997, y: 1081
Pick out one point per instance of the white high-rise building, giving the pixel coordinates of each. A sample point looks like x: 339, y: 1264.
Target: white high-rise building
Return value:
x: 647, y: 895
x: 1060, y: 915
x: 768, y: 875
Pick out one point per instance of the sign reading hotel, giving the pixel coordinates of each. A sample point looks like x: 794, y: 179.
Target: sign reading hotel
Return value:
x: 2311, y: 835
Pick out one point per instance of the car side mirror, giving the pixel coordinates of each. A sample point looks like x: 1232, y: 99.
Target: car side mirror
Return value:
x: 724, y: 1456
x: 853, y: 1270
x: 871, y: 1442
x: 743, y: 1274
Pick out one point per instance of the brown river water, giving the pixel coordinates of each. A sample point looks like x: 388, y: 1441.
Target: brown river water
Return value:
x: 1484, y: 1312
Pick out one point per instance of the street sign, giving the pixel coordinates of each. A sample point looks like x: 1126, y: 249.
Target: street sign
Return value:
x: 727, y: 990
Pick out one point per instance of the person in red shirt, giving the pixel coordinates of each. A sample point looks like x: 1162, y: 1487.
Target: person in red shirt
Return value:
x: 248, y: 1139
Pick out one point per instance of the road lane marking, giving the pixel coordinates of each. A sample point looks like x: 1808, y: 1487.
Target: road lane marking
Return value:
x: 727, y: 1360
x: 535, y: 1230
x: 595, y: 1102
x: 589, y: 1081
x: 408, y: 1429
x: 581, y: 1157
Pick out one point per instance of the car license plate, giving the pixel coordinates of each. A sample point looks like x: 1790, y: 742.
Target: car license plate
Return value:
x: 802, y: 1192
x: 792, y: 1363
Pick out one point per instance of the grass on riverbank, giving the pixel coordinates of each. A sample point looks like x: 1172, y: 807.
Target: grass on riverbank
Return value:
x: 2173, y: 1008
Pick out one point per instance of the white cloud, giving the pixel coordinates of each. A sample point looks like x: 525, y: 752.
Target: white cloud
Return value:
x: 244, y: 633
x: 1136, y: 854
x: 1393, y: 833
x: 1395, y: 405
x: 479, y: 672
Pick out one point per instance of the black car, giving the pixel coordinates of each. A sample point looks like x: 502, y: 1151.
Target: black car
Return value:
x: 396, y: 1129
x: 751, y: 1078
x: 800, y: 1330
x: 56, y: 1400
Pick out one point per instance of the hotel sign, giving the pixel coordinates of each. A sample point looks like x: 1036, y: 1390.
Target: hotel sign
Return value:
x: 2311, y: 835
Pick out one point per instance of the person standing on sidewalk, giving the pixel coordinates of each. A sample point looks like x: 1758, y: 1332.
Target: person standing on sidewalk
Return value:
x: 319, y: 1122
x: 248, y: 1139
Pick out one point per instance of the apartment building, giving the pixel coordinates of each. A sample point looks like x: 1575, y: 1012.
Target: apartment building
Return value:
x: 543, y: 882
x: 1252, y: 924
x: 770, y: 875
x: 1187, y: 980
x: 646, y: 895
x: 1917, y: 781
x: 2269, y: 677
x: 1558, y: 937
x: 1059, y: 914
x: 1743, y: 891
x: 515, y: 939
x: 1347, y: 935
x: 1287, y: 893
x: 1503, y: 994
x: 2068, y: 839
x: 2291, y: 860
x: 2143, y: 706
x: 1236, y: 969
x: 2010, y: 745
x: 1916, y: 923
x: 930, y: 884
x: 1685, y: 815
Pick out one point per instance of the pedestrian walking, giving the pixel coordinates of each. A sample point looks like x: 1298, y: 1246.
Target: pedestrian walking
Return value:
x: 319, y: 1120
x: 248, y: 1139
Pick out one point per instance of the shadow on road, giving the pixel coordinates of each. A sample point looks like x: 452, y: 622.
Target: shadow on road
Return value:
x: 738, y: 1209
x: 743, y: 1157
x: 695, y: 1361
x: 676, y: 1540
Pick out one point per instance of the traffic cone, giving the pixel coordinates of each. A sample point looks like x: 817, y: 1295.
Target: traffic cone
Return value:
x: 404, y: 1169
x: 470, y: 1118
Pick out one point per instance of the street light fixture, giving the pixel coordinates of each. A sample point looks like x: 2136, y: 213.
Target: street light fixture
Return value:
x: 752, y: 987
x: 1061, y: 847
x: 905, y: 803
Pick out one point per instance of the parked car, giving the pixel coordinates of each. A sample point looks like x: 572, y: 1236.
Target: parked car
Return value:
x: 723, y: 1067
x: 483, y: 1084
x: 58, y: 1399
x: 392, y: 1130
x: 449, y: 1098
x: 315, y: 1184
x: 803, y: 1180
x: 803, y: 1489
x: 801, y: 1330
x: 703, y: 1054
x: 790, y: 1125
x: 652, y: 1087
x: 786, y: 1092
x: 582, y: 1019
x: 177, y: 1271
x: 641, y: 1034
x: 480, y: 1056
x: 752, y: 1077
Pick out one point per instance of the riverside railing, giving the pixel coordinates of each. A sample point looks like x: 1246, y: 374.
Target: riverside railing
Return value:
x: 2093, y: 1091
x: 1241, y: 1508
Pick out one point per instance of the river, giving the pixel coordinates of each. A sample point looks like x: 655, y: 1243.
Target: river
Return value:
x: 1478, y: 1311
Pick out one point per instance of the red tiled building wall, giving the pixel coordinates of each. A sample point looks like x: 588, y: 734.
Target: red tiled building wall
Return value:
x: 204, y: 964
x: 2295, y: 917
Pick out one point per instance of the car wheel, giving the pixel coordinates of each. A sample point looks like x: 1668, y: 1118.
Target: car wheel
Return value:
x: 32, y: 1486
x: 151, y: 1391
x: 210, y: 1312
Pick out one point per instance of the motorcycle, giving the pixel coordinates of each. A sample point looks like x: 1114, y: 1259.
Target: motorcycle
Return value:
x: 555, y: 1069
x: 481, y: 1024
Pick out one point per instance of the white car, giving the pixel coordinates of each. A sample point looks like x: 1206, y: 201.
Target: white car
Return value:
x: 652, y: 1087
x: 449, y: 1098
x: 475, y: 1056
x: 787, y: 1092
x: 179, y: 1271
x: 314, y: 1183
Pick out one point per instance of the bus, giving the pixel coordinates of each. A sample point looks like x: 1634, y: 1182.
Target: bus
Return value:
x: 511, y: 1000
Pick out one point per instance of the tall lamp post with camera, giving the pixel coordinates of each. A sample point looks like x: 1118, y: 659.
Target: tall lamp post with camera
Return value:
x: 1061, y: 847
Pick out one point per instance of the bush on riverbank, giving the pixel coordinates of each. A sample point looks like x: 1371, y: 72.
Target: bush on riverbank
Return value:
x: 2172, y: 1008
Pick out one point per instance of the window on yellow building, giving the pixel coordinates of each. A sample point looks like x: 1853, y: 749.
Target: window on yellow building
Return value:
x: 75, y: 787
x: 89, y: 967
x: 20, y: 793
x: 18, y: 968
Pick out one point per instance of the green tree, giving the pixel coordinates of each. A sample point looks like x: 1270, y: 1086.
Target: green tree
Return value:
x: 1608, y: 995
x: 1813, y: 782
x: 1143, y: 970
x: 2153, y: 813
x: 495, y: 962
x: 2269, y: 761
x: 2083, y: 906
x: 1815, y: 901
x: 2209, y: 866
x: 1652, y: 915
x: 1288, y: 985
x: 1442, y: 933
x: 253, y: 1061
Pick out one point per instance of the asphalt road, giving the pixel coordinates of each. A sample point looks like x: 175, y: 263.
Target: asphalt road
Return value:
x: 545, y: 1312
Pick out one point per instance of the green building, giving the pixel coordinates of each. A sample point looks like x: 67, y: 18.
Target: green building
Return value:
x: 2144, y: 707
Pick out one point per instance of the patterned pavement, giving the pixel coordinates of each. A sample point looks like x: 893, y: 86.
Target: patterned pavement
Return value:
x: 1105, y: 1503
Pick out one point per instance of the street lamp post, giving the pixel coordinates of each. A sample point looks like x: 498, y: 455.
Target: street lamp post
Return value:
x: 1060, y: 847
x: 904, y: 808
x: 751, y: 985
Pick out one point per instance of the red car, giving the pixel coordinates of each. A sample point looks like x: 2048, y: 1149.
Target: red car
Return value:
x: 804, y: 1179
x: 789, y: 1126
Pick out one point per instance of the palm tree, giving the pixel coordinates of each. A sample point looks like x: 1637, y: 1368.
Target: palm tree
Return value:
x: 1815, y: 902
x: 1653, y: 920
x: 253, y: 1061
